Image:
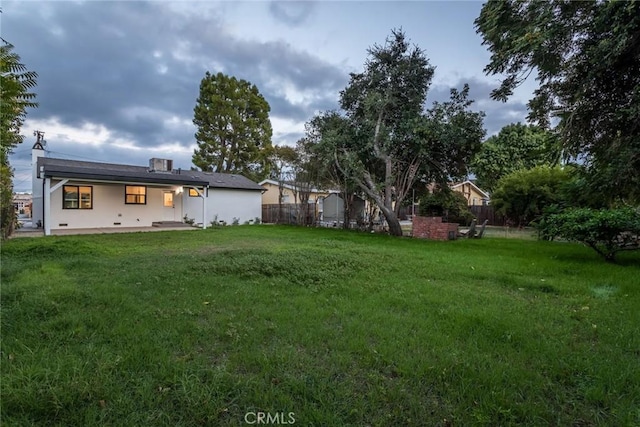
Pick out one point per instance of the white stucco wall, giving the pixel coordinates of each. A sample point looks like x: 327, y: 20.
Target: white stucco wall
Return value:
x: 226, y: 204
x: 109, y: 207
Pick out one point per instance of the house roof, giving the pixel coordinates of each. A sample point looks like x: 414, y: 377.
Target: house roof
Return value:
x: 62, y: 168
x: 475, y: 187
x: 227, y: 180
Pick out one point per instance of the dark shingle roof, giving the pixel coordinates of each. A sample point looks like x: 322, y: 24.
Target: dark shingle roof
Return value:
x: 227, y: 180
x: 62, y: 168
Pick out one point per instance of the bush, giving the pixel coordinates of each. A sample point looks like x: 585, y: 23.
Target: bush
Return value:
x: 449, y: 204
x: 606, y: 231
x: 522, y: 196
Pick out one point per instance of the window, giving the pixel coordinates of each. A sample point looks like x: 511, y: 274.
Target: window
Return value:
x: 77, y: 197
x: 193, y: 193
x: 135, y: 195
x: 168, y: 199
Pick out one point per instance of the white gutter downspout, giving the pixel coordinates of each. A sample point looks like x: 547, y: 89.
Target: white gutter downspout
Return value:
x: 205, y: 193
x: 47, y: 207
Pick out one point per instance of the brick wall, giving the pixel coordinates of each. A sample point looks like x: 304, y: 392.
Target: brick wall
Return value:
x: 433, y: 228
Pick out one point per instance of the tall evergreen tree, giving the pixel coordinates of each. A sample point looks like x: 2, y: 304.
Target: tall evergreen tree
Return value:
x: 16, y: 83
x: 234, y: 130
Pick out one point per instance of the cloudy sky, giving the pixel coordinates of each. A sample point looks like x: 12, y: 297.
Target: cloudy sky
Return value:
x: 118, y: 80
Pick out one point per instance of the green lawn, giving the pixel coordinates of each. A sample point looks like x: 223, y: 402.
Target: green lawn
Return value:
x: 338, y: 328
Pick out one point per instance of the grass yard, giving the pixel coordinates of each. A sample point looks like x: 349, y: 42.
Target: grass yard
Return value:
x: 317, y: 326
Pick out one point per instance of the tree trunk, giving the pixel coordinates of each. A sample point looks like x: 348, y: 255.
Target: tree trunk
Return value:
x: 395, y: 229
x: 346, y: 212
x: 392, y: 219
x: 388, y: 181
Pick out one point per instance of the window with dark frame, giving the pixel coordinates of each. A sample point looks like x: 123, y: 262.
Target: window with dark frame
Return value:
x: 135, y: 194
x: 193, y: 193
x: 77, y: 197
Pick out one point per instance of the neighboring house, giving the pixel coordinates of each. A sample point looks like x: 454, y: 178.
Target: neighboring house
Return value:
x: 22, y: 203
x: 333, y: 208
x: 77, y: 194
x: 272, y: 193
x: 475, y: 195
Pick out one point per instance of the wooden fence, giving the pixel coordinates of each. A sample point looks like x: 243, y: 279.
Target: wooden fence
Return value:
x: 488, y: 212
x: 289, y: 213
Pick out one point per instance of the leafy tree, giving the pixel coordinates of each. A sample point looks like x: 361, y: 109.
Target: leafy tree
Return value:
x: 606, y: 231
x: 586, y: 56
x: 387, y: 141
x: 234, y: 131
x: 16, y: 83
x: 282, y: 159
x: 522, y: 196
x: 325, y: 133
x: 516, y: 146
x: 449, y: 204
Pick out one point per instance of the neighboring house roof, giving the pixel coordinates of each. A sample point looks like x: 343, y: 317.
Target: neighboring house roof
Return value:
x: 62, y: 168
x: 227, y: 180
x: 475, y: 187
x: 292, y: 186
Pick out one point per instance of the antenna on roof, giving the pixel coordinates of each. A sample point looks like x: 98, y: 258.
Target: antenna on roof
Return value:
x: 40, y: 142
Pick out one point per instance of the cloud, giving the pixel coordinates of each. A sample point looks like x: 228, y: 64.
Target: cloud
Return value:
x: 119, y: 80
x: 497, y: 113
x: 292, y: 13
x: 135, y: 67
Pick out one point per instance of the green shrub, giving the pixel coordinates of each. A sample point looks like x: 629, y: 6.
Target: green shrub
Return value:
x: 606, y: 231
x: 522, y: 196
x: 449, y: 204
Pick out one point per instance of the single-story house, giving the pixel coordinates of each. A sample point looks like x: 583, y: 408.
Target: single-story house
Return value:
x: 78, y: 194
x: 475, y: 195
x: 22, y: 203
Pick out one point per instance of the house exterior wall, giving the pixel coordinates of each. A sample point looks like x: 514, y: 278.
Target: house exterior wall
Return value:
x: 225, y: 204
x: 109, y: 208
x: 270, y: 197
x: 474, y: 198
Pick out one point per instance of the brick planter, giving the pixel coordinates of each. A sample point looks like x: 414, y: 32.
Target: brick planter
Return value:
x: 433, y: 228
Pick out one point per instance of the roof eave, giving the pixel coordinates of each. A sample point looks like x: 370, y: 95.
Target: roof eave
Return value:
x: 123, y: 179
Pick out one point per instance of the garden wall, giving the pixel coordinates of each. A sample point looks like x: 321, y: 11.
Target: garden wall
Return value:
x: 432, y: 227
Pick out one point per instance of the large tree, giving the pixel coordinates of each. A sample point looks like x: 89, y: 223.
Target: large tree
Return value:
x: 586, y: 58
x: 234, y: 130
x: 516, y: 146
x: 326, y: 134
x: 390, y: 140
x: 16, y: 84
